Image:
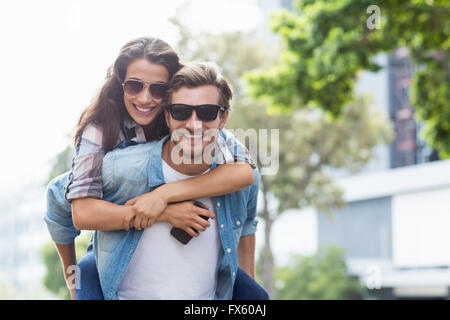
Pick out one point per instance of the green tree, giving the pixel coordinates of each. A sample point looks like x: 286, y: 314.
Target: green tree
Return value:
x: 323, y: 276
x: 327, y: 42
x: 310, y: 142
x: 54, y: 278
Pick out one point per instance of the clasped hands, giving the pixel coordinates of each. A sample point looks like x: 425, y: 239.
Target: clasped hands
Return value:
x: 152, y: 207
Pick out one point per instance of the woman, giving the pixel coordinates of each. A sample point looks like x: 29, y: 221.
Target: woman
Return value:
x: 127, y: 111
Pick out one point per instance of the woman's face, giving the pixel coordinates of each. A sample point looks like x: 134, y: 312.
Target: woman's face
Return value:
x: 143, y: 107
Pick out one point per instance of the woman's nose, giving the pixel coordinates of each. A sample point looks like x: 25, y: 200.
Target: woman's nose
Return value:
x: 144, y: 97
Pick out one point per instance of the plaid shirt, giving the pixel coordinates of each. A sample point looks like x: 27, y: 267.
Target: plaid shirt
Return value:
x: 85, y: 179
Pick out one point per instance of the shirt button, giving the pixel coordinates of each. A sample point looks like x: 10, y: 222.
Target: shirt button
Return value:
x: 238, y: 223
x: 229, y: 250
x: 218, y: 204
x: 221, y: 226
x: 234, y: 273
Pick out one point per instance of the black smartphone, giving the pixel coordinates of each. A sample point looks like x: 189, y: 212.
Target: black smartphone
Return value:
x: 182, y: 235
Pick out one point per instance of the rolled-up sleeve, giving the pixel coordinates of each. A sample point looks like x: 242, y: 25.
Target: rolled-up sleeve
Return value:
x: 86, y: 175
x: 251, y: 222
x: 58, y: 215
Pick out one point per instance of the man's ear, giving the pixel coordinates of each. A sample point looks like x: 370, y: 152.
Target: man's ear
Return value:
x: 167, y: 117
x: 224, y: 119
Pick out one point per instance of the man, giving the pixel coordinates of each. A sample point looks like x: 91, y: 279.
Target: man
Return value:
x: 151, y: 263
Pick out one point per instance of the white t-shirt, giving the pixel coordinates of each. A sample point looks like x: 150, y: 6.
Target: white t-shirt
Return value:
x: 164, y: 268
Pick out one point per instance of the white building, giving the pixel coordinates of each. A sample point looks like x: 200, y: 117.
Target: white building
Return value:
x: 395, y: 229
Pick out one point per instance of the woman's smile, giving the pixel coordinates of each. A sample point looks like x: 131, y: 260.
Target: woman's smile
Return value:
x: 143, y: 109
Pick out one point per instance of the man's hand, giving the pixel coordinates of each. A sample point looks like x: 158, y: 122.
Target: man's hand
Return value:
x: 146, y: 208
x: 185, y: 215
x: 128, y: 218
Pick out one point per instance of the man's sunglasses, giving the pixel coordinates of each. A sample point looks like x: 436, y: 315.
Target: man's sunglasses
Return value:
x: 205, y: 112
x: 133, y: 87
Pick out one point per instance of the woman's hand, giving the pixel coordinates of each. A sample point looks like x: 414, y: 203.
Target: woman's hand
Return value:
x: 147, y: 208
x: 185, y: 215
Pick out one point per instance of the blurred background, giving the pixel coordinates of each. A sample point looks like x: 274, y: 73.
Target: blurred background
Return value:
x: 359, y: 91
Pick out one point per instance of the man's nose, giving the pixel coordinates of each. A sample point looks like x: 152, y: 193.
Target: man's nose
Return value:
x: 193, y: 122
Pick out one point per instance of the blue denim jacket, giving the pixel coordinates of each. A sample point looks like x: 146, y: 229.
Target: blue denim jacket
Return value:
x: 58, y: 215
x: 135, y: 170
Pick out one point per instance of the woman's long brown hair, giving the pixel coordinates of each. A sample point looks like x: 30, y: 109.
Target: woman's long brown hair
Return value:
x: 108, y: 109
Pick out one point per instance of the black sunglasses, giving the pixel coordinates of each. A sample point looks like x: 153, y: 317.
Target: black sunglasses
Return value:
x: 205, y: 112
x: 133, y: 87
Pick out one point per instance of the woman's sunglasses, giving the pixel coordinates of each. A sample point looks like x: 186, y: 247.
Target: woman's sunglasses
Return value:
x: 133, y: 87
x: 205, y: 112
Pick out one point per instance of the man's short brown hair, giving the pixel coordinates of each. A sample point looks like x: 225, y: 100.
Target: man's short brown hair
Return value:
x: 197, y: 74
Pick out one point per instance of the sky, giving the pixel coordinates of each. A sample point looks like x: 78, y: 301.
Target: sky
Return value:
x: 55, y: 54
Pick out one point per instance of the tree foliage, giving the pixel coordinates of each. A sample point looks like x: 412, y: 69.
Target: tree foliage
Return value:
x: 310, y: 143
x: 61, y: 163
x: 323, y: 276
x: 326, y: 44
x: 54, y: 277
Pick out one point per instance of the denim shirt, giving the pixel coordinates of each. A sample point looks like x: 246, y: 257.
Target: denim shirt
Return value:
x: 136, y: 170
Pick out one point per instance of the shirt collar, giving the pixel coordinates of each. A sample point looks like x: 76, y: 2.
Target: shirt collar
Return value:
x: 129, y: 123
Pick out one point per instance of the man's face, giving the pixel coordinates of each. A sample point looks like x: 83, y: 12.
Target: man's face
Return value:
x: 192, y: 136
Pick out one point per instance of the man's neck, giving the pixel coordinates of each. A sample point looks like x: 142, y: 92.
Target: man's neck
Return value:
x: 190, y: 168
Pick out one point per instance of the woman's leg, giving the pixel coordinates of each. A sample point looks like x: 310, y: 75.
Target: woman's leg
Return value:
x: 246, y: 288
x: 89, y: 288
